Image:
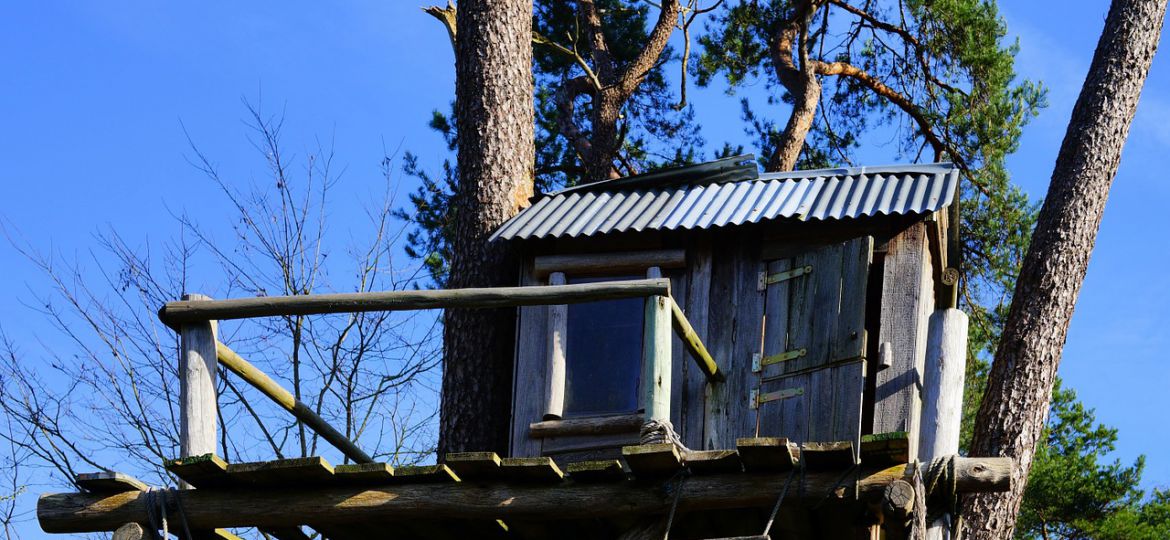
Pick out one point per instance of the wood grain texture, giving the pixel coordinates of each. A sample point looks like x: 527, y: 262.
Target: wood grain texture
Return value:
x: 821, y: 313
x: 76, y: 512
x: 907, y: 301
x: 692, y: 385
x: 466, y: 298
x: 109, y: 482
x: 599, y: 425
x: 528, y: 377
x: 608, y: 263
x: 198, y: 399
x: 656, y: 356
x: 651, y: 460
x: 557, y: 334
x: 946, y: 367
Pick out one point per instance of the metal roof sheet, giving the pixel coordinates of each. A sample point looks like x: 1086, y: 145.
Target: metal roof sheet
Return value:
x: 806, y: 195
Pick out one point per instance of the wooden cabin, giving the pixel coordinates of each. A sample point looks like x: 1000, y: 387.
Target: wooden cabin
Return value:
x: 704, y: 352
x: 812, y: 290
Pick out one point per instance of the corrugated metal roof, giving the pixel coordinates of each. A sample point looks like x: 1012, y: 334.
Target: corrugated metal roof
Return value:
x: 807, y: 195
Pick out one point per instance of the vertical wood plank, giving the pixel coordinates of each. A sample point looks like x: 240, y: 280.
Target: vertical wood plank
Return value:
x: 656, y: 369
x: 907, y: 300
x: 197, y: 394
x: 721, y: 327
x: 747, y: 340
x: 824, y: 310
x: 850, y: 341
x: 777, y: 419
x: 694, y: 383
x: 529, y: 378
x: 558, y: 330
x: 680, y: 360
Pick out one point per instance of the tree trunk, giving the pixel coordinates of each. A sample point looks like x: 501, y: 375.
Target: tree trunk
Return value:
x: 1014, y: 409
x: 806, y: 96
x: 494, y: 112
x: 605, y: 141
x: 789, y: 54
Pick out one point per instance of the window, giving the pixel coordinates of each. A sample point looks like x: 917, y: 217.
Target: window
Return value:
x: 603, y: 354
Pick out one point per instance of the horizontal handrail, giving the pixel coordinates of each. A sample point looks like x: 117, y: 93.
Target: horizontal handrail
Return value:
x: 188, y: 311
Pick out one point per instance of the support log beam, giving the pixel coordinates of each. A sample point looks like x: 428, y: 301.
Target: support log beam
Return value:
x: 694, y: 344
x: 262, y: 382
x: 176, y: 313
x: 211, y: 508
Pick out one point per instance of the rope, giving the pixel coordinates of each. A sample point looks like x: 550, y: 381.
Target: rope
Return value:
x: 918, y: 526
x: 776, y: 507
x: 682, y: 479
x: 840, y: 481
x: 157, y: 503
x: 941, y: 487
x: 661, y: 431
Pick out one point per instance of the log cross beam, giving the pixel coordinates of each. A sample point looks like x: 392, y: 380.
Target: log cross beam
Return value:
x: 340, y: 505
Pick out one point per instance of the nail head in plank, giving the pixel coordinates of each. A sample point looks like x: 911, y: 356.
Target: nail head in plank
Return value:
x: 766, y: 454
x: 827, y: 455
x: 652, y: 459
x: 602, y: 470
x: 363, y: 473
x: 713, y: 461
x: 282, y: 472
x: 474, y: 465
x: 536, y: 469
x: 109, y: 482
x: 423, y: 474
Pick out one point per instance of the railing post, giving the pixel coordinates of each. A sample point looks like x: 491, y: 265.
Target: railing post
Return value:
x: 656, y: 367
x: 198, y: 408
x: 558, y: 330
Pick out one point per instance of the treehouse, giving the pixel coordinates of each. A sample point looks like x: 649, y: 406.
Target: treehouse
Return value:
x: 704, y: 352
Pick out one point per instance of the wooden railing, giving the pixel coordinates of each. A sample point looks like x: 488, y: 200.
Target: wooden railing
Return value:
x: 195, y: 318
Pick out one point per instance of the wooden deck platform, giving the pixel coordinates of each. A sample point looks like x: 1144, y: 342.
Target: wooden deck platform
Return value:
x: 719, y: 494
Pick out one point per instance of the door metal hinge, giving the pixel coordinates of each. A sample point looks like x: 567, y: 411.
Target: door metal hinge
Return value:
x: 769, y: 279
x: 758, y: 399
x: 759, y: 362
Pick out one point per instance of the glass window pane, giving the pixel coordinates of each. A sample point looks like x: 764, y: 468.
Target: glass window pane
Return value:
x: 603, y: 355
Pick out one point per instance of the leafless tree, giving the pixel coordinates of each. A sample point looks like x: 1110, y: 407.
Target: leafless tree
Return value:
x: 102, y: 392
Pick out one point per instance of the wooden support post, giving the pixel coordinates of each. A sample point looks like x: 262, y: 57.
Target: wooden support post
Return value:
x: 656, y: 366
x: 197, y: 395
x: 942, y: 403
x: 558, y: 331
x: 942, y: 400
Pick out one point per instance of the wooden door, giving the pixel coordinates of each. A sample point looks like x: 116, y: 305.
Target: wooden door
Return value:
x: 811, y: 373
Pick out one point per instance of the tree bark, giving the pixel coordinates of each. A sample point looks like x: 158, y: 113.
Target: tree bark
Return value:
x: 494, y: 112
x: 1011, y: 418
x: 794, y: 70
x: 618, y: 84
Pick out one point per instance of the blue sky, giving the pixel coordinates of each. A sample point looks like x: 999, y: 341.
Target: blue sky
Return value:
x: 96, y: 95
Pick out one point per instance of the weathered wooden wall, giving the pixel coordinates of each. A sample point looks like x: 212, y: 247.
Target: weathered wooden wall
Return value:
x: 824, y: 312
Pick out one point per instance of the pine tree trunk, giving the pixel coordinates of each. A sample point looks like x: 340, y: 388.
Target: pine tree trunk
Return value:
x: 1015, y: 406
x: 494, y: 112
x: 806, y: 96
